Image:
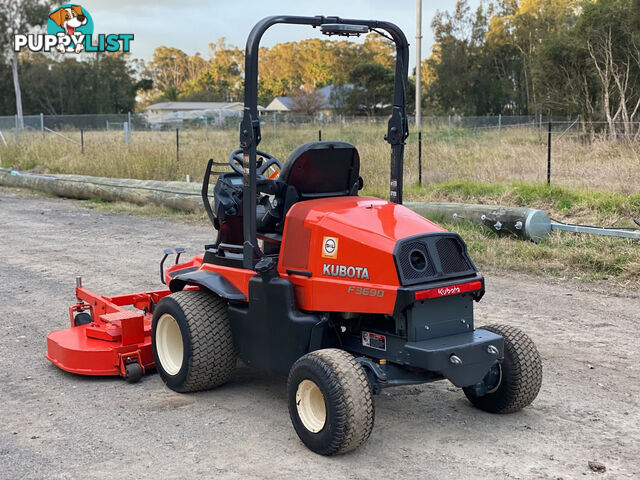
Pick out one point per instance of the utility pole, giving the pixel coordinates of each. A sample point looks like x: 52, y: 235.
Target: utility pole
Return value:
x: 418, y: 65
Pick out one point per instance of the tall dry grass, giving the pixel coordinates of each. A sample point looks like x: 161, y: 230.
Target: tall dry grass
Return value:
x: 517, y: 154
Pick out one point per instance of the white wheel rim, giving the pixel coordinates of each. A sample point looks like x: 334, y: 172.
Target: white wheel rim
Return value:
x: 169, y: 344
x: 310, y: 405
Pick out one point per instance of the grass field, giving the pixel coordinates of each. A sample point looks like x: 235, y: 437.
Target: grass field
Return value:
x: 518, y: 154
x: 596, y: 183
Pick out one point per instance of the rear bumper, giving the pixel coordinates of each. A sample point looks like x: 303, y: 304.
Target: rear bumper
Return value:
x: 406, y: 296
x: 472, y: 348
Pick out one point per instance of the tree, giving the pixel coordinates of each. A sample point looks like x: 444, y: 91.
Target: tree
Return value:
x: 219, y: 79
x: 339, y: 98
x: 103, y: 83
x: 522, y: 28
x: 373, y: 88
x: 564, y: 77
x: 462, y: 75
x: 612, y: 43
x: 170, y: 70
x: 308, y: 102
x: 19, y: 16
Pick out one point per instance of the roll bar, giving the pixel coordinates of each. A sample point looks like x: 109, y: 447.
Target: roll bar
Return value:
x: 250, y: 136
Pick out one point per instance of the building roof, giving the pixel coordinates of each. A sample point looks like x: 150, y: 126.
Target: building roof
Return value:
x: 285, y: 104
x: 280, y: 104
x: 174, y: 106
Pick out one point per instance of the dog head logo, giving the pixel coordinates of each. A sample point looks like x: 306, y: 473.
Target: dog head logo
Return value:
x: 73, y: 22
x: 69, y: 18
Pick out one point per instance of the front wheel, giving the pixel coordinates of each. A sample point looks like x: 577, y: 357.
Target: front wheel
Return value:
x: 192, y: 341
x: 514, y: 383
x: 330, y: 401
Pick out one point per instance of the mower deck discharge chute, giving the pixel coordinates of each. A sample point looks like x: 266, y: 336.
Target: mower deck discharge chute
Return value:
x: 346, y: 295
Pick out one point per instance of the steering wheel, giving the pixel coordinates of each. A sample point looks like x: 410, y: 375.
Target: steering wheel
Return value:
x: 267, y: 161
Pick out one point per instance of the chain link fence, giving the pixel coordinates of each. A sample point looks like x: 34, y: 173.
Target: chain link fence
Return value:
x: 488, y: 149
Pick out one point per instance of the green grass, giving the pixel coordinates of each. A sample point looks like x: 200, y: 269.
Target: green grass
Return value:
x: 563, y: 203
x: 562, y: 254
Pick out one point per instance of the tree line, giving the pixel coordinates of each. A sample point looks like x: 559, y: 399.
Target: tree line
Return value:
x: 562, y: 57
x: 295, y: 69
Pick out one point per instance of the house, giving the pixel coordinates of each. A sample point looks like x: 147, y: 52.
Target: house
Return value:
x: 176, y: 114
x: 333, y: 95
x: 173, y: 107
x: 280, y: 104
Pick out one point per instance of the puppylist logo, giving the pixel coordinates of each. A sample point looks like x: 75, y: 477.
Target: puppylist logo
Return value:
x: 69, y: 30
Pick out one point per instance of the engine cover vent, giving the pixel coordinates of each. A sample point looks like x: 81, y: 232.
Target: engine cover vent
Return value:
x: 431, y: 257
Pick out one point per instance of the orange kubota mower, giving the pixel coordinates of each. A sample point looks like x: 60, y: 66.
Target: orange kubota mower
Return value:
x: 344, y: 294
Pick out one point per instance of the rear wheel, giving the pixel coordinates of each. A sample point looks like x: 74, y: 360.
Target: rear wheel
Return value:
x: 192, y: 341
x: 330, y: 401
x: 515, y: 383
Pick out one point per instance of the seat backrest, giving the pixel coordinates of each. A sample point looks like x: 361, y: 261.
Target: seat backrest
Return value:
x: 322, y: 169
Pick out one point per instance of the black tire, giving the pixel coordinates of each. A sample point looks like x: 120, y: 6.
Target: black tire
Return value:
x: 348, y: 403
x: 520, y: 374
x: 82, y: 318
x: 133, y: 372
x: 208, y: 358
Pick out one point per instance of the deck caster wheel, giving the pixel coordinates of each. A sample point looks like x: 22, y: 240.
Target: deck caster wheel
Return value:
x: 514, y: 383
x: 330, y: 401
x: 82, y: 318
x: 133, y: 372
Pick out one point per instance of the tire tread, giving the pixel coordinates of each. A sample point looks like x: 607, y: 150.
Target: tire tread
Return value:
x: 349, y: 385
x: 525, y: 379
x: 213, y: 358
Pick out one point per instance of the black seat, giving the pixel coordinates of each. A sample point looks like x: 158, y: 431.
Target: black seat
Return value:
x: 322, y: 169
x: 313, y: 170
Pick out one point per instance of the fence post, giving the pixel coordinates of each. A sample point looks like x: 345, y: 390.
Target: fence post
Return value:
x: 206, y: 128
x: 81, y: 140
x: 319, y: 135
x: 499, y: 128
x: 549, y: 155
x: 449, y: 132
x: 177, y: 144
x: 16, y: 128
x: 129, y: 119
x: 540, y: 126
x: 125, y: 127
x: 42, y: 125
x: 340, y: 130
x: 275, y: 122
x: 420, y: 158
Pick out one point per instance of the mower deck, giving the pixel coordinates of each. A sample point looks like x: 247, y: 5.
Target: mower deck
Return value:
x: 114, y: 341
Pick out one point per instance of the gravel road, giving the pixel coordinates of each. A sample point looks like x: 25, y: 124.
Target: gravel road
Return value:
x: 58, y: 425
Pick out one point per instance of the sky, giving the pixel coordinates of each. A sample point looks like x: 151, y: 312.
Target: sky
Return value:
x: 191, y: 25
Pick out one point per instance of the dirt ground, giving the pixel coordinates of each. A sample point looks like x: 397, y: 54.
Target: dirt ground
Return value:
x: 58, y: 425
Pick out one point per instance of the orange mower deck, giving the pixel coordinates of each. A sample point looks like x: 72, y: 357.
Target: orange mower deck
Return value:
x: 104, y: 337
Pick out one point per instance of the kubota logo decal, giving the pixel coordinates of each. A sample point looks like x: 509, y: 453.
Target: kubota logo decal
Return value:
x: 329, y: 247
x: 345, y: 271
x: 448, y: 290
